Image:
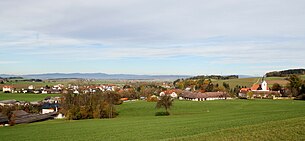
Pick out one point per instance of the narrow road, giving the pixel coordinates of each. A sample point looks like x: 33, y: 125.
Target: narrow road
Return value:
x: 258, y: 80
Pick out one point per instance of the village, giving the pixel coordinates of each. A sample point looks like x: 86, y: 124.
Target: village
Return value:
x: 49, y: 108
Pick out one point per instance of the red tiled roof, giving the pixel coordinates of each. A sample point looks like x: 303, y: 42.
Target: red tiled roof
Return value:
x: 244, y: 90
x: 255, y: 87
x: 169, y: 91
x: 8, y: 86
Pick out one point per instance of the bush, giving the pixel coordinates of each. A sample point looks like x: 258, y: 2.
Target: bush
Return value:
x: 152, y: 99
x: 300, y: 97
x: 162, y: 114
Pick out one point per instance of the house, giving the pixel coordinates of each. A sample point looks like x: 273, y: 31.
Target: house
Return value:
x: 243, y: 92
x: 56, y: 89
x: 44, y: 92
x: 49, y: 108
x: 31, y: 87
x: 171, y: 93
x: 8, y: 89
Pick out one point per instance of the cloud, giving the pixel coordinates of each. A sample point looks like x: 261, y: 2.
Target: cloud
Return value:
x: 222, y: 50
x: 149, y: 21
x: 223, y: 32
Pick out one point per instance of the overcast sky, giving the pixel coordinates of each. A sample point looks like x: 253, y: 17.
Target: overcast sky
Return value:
x: 192, y: 37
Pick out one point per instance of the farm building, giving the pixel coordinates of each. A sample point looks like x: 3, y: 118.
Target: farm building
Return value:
x: 24, y: 117
x: 11, y: 102
x: 197, y: 96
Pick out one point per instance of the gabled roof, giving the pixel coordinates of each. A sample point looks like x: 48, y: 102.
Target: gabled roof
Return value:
x: 244, y: 90
x: 20, y: 113
x: 11, y: 101
x: 24, y: 117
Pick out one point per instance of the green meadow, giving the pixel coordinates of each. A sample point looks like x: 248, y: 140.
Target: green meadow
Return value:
x: 208, y: 120
x: 25, y: 97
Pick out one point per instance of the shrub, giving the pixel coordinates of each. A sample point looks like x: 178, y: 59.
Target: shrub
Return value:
x: 152, y: 99
x: 162, y: 114
x: 300, y: 97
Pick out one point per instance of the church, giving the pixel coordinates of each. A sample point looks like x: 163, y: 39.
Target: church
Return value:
x: 260, y: 87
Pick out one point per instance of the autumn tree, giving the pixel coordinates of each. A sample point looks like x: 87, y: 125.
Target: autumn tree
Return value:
x: 250, y: 94
x: 294, y: 85
x: 90, y: 105
x: 165, y: 102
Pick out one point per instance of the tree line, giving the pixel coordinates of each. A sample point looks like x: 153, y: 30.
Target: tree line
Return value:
x: 286, y: 73
x: 218, y: 77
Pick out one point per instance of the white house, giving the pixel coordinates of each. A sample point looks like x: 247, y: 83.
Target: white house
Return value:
x: 31, y: 87
x: 45, y: 111
x: 8, y: 89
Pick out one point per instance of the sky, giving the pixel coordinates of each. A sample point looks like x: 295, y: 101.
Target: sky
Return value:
x: 189, y: 37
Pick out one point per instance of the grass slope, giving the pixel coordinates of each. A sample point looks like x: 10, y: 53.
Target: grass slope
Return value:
x: 248, y: 82
x: 189, y: 120
x: 241, y: 82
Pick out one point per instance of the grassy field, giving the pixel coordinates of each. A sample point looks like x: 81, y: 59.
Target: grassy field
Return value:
x: 209, y: 120
x: 25, y: 97
x: 250, y: 81
x: 24, y: 84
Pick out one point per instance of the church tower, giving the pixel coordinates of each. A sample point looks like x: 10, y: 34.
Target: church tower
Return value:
x: 264, y: 86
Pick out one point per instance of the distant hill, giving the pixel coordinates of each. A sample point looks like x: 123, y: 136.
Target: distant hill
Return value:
x: 98, y: 76
x: 286, y: 73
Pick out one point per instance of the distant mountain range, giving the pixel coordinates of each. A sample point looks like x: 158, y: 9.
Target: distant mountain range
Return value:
x: 103, y: 76
x: 98, y: 76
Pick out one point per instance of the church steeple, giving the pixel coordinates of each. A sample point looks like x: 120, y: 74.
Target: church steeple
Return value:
x: 264, y: 84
